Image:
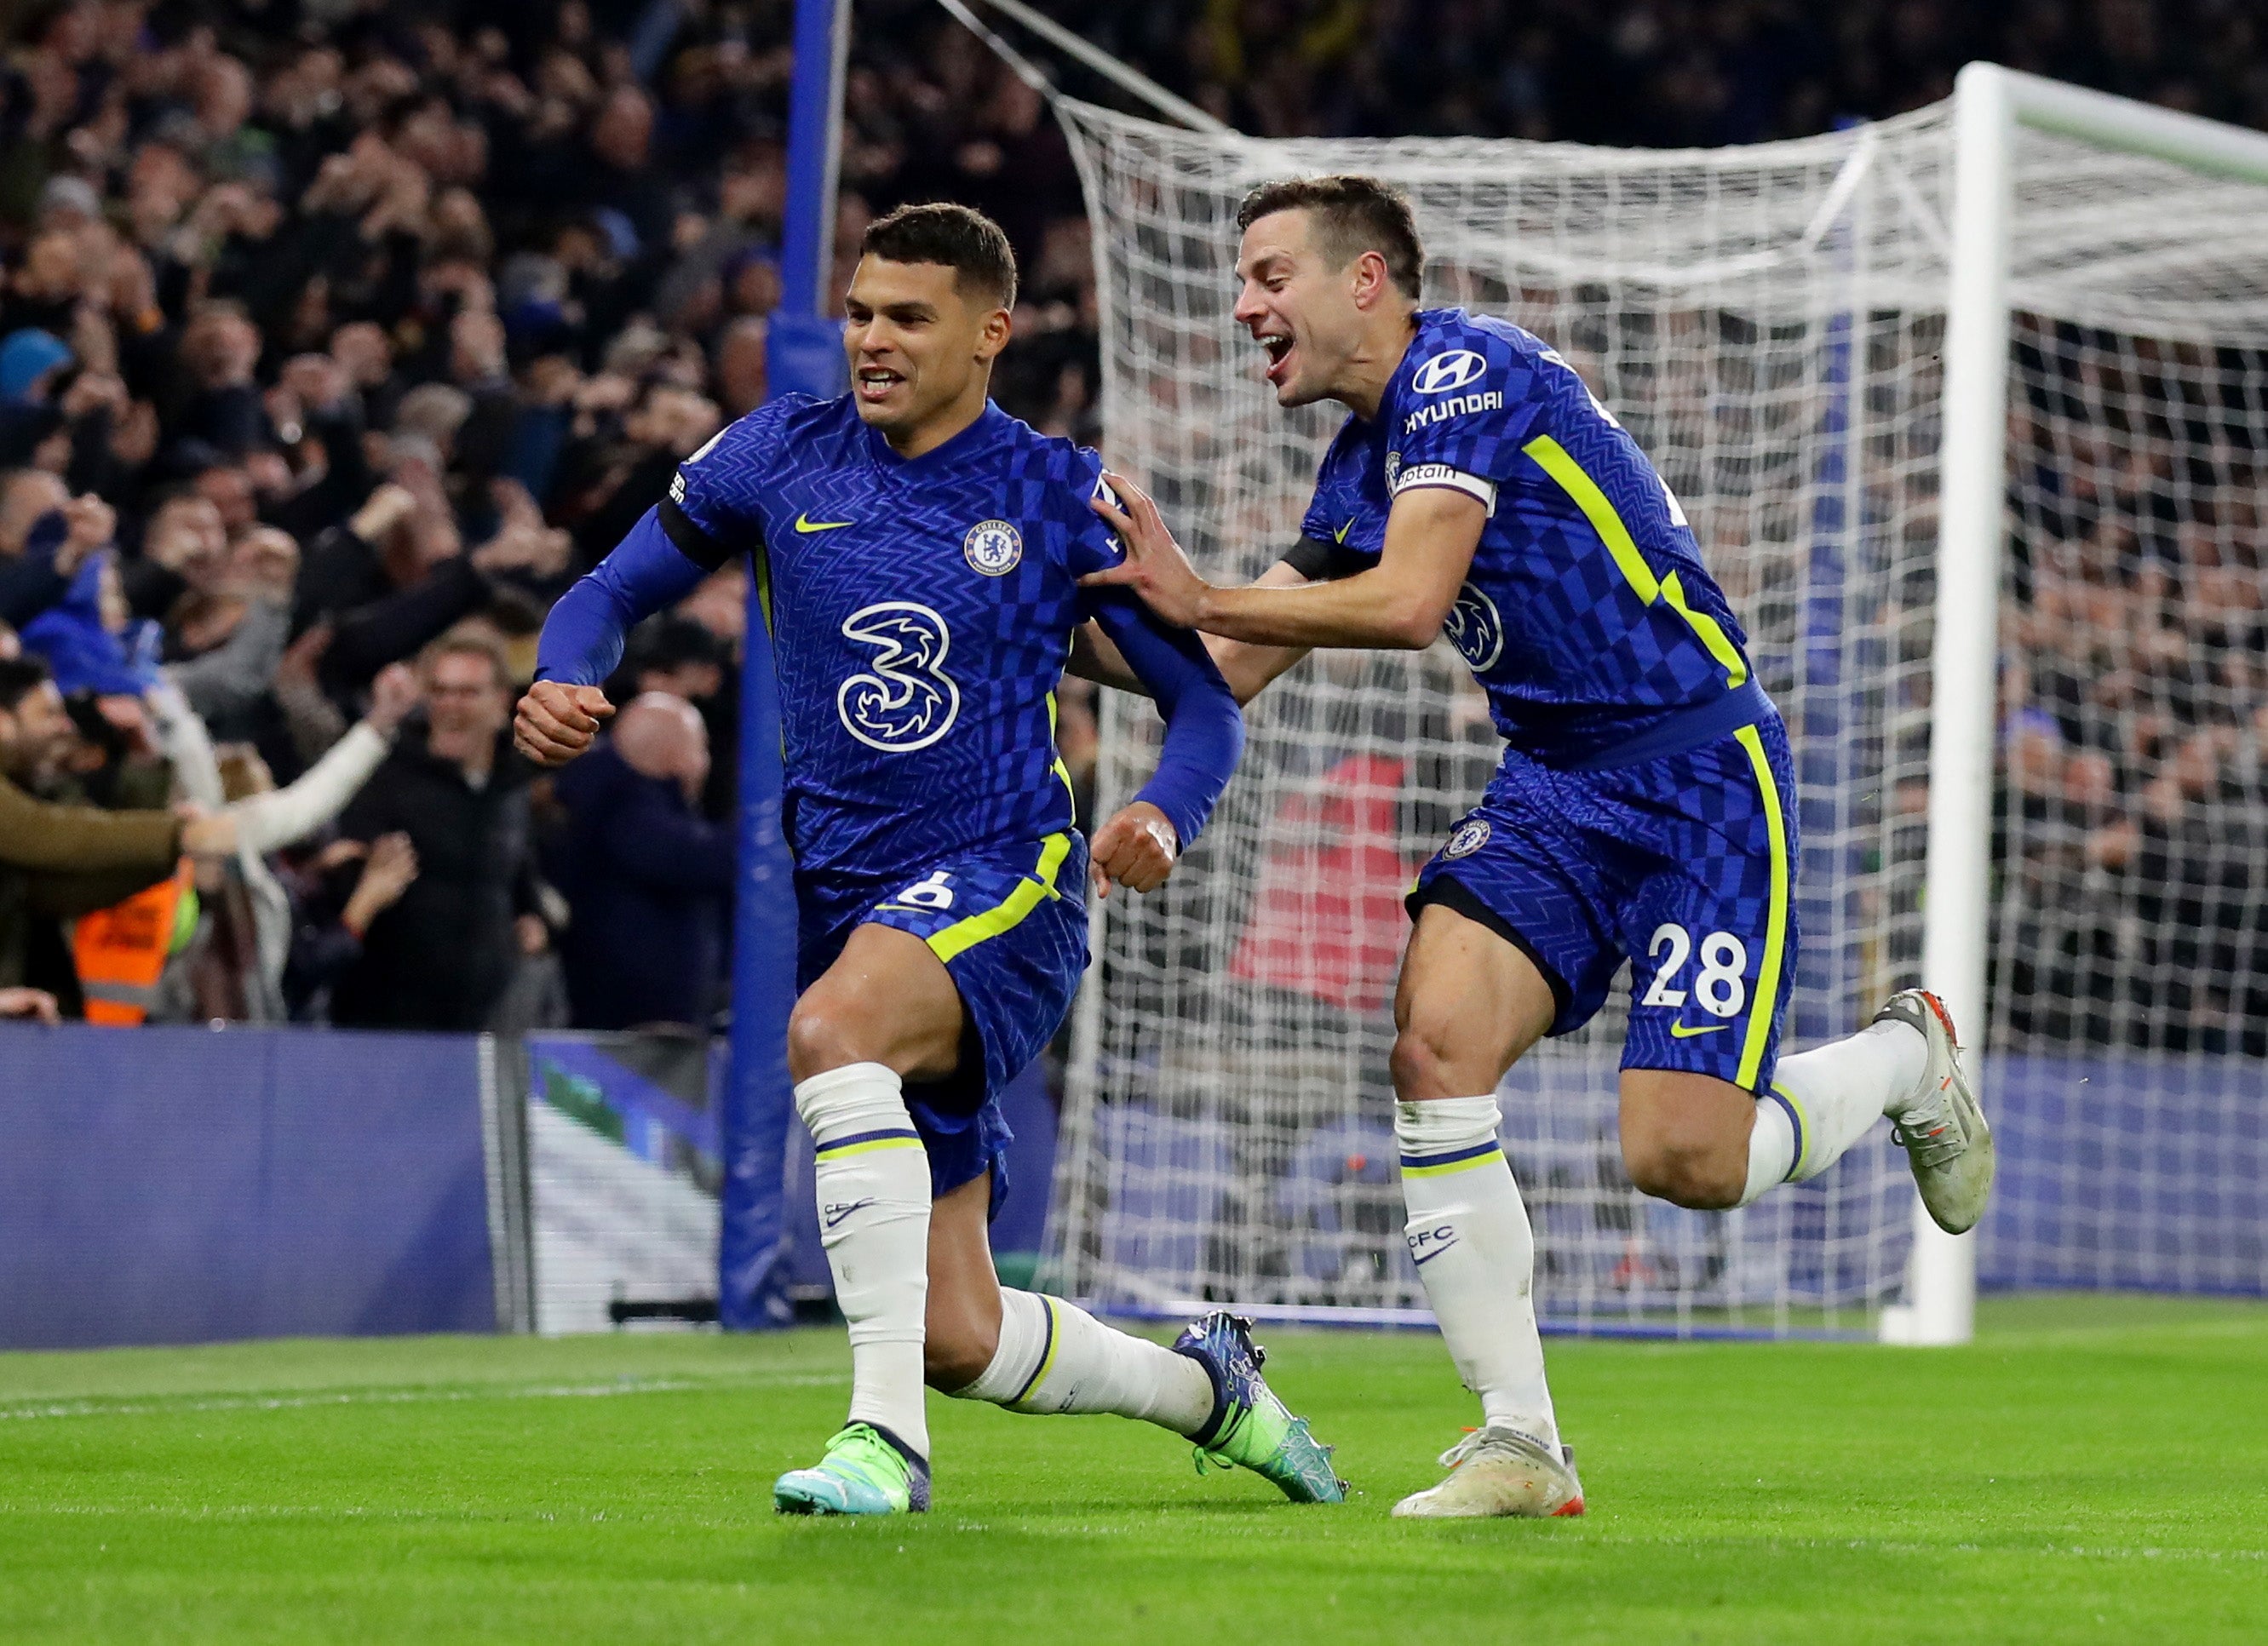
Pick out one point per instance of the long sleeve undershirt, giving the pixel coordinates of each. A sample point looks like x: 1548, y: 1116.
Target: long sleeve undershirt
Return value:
x: 583, y: 639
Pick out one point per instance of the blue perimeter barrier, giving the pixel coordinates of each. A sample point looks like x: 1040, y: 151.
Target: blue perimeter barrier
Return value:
x: 2122, y: 1172
x: 180, y: 1186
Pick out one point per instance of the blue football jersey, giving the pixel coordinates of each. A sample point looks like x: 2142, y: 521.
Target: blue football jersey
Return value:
x: 921, y: 612
x: 1587, y: 616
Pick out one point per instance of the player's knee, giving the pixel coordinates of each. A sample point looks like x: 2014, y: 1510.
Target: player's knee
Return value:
x: 821, y: 1036
x: 1690, y: 1173
x: 1424, y: 1061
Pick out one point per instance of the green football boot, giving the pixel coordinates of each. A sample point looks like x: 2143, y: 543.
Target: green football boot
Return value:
x: 866, y: 1470
x: 1249, y: 1426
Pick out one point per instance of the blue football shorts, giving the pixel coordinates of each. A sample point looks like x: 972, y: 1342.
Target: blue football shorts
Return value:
x: 1010, y: 923
x: 1684, y: 864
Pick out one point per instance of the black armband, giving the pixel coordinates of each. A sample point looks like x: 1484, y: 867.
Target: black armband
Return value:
x: 1321, y: 561
x: 694, y: 544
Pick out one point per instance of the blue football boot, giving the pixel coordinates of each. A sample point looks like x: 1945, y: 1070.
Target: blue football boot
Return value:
x: 1249, y: 1426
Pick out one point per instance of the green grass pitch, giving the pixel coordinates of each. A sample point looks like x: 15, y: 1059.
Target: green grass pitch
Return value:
x: 2092, y: 1468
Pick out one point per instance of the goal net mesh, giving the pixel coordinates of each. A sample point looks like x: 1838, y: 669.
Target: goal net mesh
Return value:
x: 2129, y: 943
x: 1768, y: 322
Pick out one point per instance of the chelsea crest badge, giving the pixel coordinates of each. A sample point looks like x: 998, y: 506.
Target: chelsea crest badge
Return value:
x: 993, y: 547
x: 1470, y: 836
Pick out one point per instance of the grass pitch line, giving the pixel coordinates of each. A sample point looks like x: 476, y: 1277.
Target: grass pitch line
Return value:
x: 416, y: 1396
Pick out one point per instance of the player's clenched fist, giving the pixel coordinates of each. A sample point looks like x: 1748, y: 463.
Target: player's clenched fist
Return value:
x: 556, y: 722
x: 1135, y: 849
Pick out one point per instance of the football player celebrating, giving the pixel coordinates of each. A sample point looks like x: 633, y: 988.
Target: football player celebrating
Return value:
x: 920, y: 552
x: 1645, y: 808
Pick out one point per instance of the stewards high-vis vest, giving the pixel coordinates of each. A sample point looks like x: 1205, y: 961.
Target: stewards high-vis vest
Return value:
x: 121, y: 951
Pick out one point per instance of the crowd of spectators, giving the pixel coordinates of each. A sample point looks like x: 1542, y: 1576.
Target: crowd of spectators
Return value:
x: 2133, y: 814
x: 1657, y: 73
x: 337, y: 337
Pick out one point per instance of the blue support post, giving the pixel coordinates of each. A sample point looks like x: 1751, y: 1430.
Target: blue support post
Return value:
x: 804, y: 348
x: 805, y: 355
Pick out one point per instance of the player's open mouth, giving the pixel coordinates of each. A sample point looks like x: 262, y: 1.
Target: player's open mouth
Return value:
x: 876, y: 382
x: 1279, y: 354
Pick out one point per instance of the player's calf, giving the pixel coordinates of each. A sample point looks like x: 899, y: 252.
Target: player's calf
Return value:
x: 962, y: 1330
x: 1052, y: 1359
x: 956, y: 1350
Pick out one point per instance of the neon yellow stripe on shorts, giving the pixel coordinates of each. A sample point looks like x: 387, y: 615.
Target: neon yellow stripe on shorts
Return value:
x: 1765, y: 1003
x: 965, y: 934
x: 1553, y: 460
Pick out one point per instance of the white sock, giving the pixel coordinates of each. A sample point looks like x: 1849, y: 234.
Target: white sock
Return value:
x: 1825, y: 1100
x: 873, y: 1220
x: 1469, y: 1236
x: 1056, y: 1359
x: 1773, y: 1146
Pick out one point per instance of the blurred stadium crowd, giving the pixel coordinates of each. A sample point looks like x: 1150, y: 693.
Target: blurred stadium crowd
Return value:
x: 338, y: 337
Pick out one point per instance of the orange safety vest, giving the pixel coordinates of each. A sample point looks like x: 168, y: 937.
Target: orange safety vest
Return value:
x: 121, y: 949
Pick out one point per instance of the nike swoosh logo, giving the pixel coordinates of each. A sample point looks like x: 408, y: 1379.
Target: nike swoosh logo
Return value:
x: 1420, y: 1262
x: 1685, y: 1031
x: 836, y: 1214
x: 805, y: 523
x: 1339, y: 536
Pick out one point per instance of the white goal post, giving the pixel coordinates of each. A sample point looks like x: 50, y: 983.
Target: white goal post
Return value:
x: 1991, y: 105
x: 1822, y: 343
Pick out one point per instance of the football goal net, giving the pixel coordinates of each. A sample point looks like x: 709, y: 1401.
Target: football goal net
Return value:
x: 1967, y: 409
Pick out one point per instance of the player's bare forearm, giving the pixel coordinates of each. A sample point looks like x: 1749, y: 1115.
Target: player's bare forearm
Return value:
x: 1399, y: 604
x: 1368, y: 609
x: 1248, y: 669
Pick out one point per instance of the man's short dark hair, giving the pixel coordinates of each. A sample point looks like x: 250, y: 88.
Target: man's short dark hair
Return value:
x: 961, y: 238
x: 19, y: 678
x: 470, y: 643
x: 1350, y: 215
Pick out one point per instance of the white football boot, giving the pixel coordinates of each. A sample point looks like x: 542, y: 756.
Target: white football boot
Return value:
x: 1939, y: 1123
x: 1498, y: 1471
